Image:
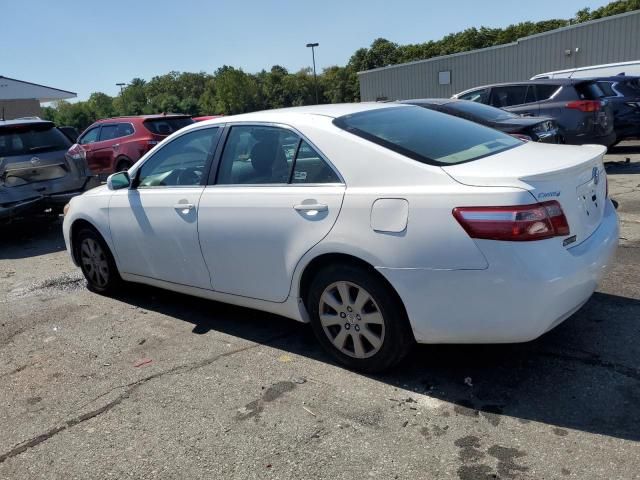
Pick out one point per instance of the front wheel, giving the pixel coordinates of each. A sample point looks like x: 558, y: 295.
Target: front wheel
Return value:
x: 96, y: 262
x: 358, y: 318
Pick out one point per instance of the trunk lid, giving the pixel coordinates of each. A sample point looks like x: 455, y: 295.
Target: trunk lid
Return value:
x: 574, y: 176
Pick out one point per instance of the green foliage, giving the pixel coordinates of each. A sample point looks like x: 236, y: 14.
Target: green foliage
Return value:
x: 230, y: 90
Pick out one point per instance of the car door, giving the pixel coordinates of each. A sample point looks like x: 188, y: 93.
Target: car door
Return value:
x: 154, y: 223
x: 86, y: 143
x: 519, y: 99
x: 275, y: 197
x: 103, y: 149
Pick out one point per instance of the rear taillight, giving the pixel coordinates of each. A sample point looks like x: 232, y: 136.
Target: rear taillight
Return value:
x: 585, y: 105
x: 519, y: 136
x: 519, y: 223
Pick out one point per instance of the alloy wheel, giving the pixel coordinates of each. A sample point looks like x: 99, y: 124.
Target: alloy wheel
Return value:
x: 351, y: 319
x: 94, y: 262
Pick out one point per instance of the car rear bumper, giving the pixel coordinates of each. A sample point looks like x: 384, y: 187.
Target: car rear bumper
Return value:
x: 525, y: 291
x: 28, y: 206
x: 585, y: 139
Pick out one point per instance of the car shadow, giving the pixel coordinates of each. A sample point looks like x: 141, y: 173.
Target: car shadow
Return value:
x: 582, y: 375
x: 36, y: 236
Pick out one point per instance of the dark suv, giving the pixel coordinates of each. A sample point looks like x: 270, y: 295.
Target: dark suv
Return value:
x: 35, y: 175
x: 115, y: 144
x: 623, y: 94
x: 577, y: 106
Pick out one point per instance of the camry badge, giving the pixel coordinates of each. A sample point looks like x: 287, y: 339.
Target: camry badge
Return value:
x: 595, y: 175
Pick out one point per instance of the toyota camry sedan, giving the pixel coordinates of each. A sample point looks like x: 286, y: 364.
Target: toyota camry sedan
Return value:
x: 380, y: 224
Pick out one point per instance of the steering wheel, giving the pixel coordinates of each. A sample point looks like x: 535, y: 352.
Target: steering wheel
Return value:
x: 189, y: 176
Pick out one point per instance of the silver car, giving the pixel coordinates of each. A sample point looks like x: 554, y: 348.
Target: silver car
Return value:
x: 35, y: 173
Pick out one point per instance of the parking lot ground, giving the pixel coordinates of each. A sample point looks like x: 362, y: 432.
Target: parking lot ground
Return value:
x: 152, y: 384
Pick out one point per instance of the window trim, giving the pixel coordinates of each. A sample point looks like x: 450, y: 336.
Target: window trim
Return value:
x: 215, y: 169
x: 135, y: 175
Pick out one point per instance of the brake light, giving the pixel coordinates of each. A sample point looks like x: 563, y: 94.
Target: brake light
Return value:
x: 519, y: 136
x: 519, y: 223
x: 585, y: 105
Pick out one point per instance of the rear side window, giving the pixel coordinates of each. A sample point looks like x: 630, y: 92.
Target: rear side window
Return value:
x: 509, y: 95
x: 166, y: 126
x: 108, y: 132
x: 544, y: 92
x: 427, y: 136
x: 32, y: 139
x: 310, y: 167
x: 124, y: 129
x: 589, y: 91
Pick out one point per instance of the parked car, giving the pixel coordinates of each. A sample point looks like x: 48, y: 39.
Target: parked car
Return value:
x: 623, y: 94
x: 34, y: 174
x: 577, y: 106
x: 538, y: 129
x: 381, y: 224
x: 604, y: 70
x: 202, y: 118
x: 115, y: 144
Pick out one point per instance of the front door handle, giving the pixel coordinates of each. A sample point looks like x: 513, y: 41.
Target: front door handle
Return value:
x: 311, y: 207
x: 184, y: 206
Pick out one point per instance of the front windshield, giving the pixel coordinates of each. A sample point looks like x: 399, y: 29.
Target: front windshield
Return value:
x: 480, y: 110
x: 427, y: 136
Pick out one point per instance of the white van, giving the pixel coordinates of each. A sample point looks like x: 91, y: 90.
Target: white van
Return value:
x: 606, y: 70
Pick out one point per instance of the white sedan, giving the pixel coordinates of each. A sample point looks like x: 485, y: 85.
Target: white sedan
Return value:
x: 381, y: 224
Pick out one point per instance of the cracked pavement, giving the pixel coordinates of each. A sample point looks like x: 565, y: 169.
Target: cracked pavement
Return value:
x: 153, y: 384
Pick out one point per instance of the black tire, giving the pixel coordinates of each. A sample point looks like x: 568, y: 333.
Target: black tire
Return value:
x: 395, y: 335
x: 123, y: 164
x: 103, y: 280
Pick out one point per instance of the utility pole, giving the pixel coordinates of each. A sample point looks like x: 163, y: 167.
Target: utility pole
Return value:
x: 121, y: 85
x: 315, y: 77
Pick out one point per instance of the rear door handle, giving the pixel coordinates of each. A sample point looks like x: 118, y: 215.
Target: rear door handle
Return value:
x: 310, y: 207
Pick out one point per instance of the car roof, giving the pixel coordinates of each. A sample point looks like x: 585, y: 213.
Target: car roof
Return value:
x: 334, y: 110
x: 24, y: 121
x: 615, y: 78
x: 540, y: 81
x: 143, y: 117
x: 430, y: 101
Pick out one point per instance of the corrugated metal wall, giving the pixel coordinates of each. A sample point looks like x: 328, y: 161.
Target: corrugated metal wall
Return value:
x: 609, y: 40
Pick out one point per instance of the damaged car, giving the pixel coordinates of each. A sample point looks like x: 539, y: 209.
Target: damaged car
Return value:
x: 36, y: 175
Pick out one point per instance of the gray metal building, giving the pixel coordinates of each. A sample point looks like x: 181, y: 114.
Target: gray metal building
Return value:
x: 607, y: 40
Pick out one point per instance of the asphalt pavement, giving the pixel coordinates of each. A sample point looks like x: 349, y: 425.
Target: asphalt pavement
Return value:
x: 152, y: 384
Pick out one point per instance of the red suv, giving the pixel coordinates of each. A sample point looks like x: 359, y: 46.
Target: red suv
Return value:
x: 115, y: 144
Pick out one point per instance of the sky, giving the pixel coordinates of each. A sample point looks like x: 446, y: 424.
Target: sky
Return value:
x: 90, y: 46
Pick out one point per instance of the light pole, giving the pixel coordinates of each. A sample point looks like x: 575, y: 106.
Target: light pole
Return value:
x: 121, y: 85
x: 313, y: 56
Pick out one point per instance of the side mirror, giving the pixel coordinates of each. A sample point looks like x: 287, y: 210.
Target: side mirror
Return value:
x: 118, y: 181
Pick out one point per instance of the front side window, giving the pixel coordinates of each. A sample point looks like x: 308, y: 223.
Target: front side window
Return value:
x: 181, y: 162
x: 90, y: 137
x: 427, y: 136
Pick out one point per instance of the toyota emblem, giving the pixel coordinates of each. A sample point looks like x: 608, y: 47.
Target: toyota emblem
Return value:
x: 35, y: 161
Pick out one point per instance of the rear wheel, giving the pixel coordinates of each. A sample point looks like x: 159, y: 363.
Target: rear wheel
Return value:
x: 358, y: 318
x: 96, y: 262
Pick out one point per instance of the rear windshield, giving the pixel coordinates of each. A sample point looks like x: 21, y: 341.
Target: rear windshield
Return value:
x: 427, y: 136
x: 479, y: 110
x: 31, y: 139
x: 166, y: 126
